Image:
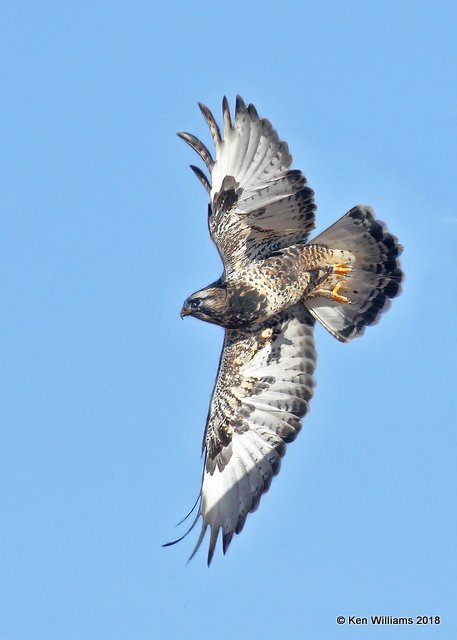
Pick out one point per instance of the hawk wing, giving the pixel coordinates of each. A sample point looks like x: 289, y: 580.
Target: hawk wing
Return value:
x: 264, y: 384
x: 258, y: 204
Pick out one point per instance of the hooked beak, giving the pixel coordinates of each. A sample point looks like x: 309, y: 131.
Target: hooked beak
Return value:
x: 186, y: 310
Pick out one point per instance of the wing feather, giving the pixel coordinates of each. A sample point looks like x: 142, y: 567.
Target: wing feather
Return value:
x: 198, y: 146
x: 261, y: 394
x: 201, y: 176
x: 212, y: 124
x: 258, y: 205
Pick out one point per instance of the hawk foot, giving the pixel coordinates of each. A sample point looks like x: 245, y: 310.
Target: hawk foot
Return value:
x: 335, y: 295
x: 341, y: 269
x: 331, y: 295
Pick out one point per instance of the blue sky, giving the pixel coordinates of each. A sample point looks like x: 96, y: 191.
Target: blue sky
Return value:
x: 104, y: 391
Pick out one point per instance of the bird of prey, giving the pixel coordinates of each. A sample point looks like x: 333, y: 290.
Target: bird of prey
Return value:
x: 275, y: 285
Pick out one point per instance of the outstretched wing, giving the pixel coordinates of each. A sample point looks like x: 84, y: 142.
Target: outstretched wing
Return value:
x: 258, y: 204
x: 263, y: 388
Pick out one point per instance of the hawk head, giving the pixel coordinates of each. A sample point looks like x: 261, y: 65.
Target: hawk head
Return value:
x: 209, y: 304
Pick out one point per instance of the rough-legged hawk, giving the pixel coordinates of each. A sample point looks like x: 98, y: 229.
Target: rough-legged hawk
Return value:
x: 274, y: 286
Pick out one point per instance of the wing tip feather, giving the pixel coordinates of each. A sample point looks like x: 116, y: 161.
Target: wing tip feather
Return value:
x: 198, y: 146
x: 212, y: 543
x: 226, y: 115
x: 201, y: 176
x: 240, y: 106
x: 212, y: 124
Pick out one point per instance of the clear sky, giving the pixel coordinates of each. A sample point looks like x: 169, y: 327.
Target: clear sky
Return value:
x: 104, y: 390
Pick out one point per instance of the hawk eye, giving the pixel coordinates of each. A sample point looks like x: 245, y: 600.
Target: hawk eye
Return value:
x: 196, y: 302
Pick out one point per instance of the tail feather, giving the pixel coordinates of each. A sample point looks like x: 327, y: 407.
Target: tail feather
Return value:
x: 372, y: 253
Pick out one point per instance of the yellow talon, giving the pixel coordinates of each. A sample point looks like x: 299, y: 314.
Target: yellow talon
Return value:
x: 337, y: 297
x: 342, y: 269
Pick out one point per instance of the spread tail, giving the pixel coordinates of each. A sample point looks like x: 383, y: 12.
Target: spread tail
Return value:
x: 372, y: 254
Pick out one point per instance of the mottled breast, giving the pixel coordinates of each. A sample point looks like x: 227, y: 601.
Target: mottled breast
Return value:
x: 247, y: 305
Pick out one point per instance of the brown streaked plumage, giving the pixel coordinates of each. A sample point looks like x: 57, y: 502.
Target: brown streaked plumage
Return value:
x: 275, y: 284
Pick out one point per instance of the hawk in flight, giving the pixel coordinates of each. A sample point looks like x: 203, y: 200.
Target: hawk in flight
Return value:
x: 274, y: 286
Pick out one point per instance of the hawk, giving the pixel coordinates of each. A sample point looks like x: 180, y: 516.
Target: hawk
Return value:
x: 275, y: 285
